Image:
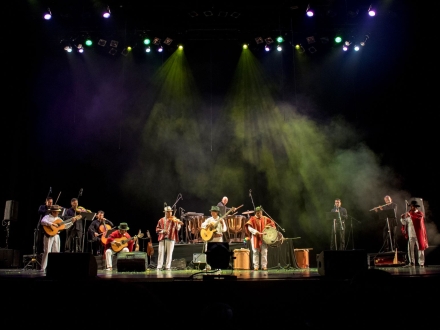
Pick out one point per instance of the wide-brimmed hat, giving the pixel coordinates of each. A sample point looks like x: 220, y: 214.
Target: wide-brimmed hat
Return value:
x: 259, y: 209
x: 215, y: 209
x: 168, y: 209
x: 55, y: 208
x: 414, y: 203
x: 123, y: 226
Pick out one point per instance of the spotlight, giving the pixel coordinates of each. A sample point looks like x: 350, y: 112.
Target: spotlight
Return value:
x: 280, y: 39
x: 309, y: 12
x: 148, y: 49
x: 156, y: 41
x: 102, y: 42
x: 88, y: 41
x: 312, y: 50
x: 180, y: 47
x: 345, y: 48
x: 112, y: 51
x: 371, y: 11
x: 268, y: 40
x: 363, y: 42
x: 168, y: 41
x: 114, y: 43
x: 106, y: 13
x: 160, y: 49
x: 279, y: 48
x: 300, y: 48
x: 80, y: 48
x: 125, y: 51
x: 245, y: 46
x: 47, y: 15
x: 338, y: 39
x: 356, y: 48
x: 266, y: 48
x: 68, y: 49
x: 147, y: 41
x: 223, y: 14
x: 259, y: 40
x: 310, y: 40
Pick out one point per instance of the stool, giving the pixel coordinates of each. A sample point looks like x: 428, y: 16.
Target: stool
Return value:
x: 242, y: 259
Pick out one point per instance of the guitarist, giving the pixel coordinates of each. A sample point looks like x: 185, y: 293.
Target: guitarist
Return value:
x: 216, y: 223
x: 52, y: 243
x: 120, y: 233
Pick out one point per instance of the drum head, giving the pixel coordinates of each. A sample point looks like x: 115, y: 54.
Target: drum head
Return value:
x: 271, y: 235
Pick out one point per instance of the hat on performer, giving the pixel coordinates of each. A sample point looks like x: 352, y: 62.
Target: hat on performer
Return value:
x: 123, y: 226
x: 215, y: 209
x: 168, y: 209
x: 414, y: 203
x: 55, y: 208
x: 259, y: 209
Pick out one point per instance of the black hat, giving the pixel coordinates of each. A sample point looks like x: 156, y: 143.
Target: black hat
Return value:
x: 414, y: 203
x: 123, y: 226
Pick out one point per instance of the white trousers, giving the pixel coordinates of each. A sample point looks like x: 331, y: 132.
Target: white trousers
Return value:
x: 109, y: 256
x: 50, y: 244
x: 412, y: 244
x: 168, y: 245
x: 257, y: 253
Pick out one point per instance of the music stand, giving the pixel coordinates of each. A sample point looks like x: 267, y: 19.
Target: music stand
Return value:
x: 333, y: 216
x: 86, y: 216
x: 388, y: 214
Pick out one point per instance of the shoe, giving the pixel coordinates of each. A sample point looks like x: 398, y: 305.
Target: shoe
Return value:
x: 422, y: 266
x: 208, y: 268
x: 264, y: 268
x: 108, y: 269
x: 255, y: 268
x: 167, y: 268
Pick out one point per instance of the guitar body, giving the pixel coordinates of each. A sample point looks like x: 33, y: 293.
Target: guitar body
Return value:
x: 52, y: 231
x: 207, y: 234
x: 124, y: 243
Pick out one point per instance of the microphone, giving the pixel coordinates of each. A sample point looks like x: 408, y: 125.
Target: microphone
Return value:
x: 81, y: 192
x: 181, y: 197
x: 164, y: 205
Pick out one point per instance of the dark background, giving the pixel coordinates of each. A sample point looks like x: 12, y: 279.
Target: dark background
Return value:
x: 95, y: 123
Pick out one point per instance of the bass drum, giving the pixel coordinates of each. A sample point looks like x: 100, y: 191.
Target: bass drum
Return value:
x: 272, y: 237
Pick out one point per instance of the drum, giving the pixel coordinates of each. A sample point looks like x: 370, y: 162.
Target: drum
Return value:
x: 236, y: 223
x: 242, y: 259
x: 302, y: 257
x: 195, y: 225
x: 272, y: 237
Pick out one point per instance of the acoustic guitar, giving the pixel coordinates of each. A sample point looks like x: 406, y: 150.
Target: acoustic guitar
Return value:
x: 119, y: 243
x: 208, y: 232
x: 53, y: 230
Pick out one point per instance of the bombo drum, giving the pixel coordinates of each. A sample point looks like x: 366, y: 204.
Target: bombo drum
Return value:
x: 272, y: 237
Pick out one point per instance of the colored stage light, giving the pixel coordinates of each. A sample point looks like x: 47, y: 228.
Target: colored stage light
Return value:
x: 47, y: 15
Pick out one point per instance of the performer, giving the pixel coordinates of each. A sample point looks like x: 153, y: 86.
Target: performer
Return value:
x: 52, y: 243
x: 167, y: 230
x: 340, y: 224
x: 42, y: 211
x: 223, y: 208
x: 254, y: 229
x: 414, y: 220
x: 74, y: 233
x: 392, y: 222
x: 115, y: 240
x: 218, y: 224
x: 94, y: 233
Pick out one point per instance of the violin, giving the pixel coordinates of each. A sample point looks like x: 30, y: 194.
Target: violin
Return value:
x: 150, y: 249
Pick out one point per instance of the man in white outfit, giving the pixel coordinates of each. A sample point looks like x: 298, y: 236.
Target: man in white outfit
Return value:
x: 215, y: 224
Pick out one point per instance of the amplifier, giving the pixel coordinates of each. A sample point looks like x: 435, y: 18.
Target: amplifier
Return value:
x: 199, y: 260
x: 132, y: 261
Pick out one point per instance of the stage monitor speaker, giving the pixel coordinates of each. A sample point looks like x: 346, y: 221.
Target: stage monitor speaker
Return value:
x: 342, y: 264
x: 11, y: 211
x: 72, y: 265
x: 218, y: 255
x: 132, y: 261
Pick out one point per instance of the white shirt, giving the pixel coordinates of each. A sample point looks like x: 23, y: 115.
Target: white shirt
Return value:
x: 49, y: 219
x: 410, y: 226
x: 221, y: 226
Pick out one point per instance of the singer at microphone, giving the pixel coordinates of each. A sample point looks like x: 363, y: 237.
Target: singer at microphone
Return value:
x: 338, y: 237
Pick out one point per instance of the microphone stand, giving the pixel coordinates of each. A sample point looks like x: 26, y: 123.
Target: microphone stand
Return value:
x: 250, y: 195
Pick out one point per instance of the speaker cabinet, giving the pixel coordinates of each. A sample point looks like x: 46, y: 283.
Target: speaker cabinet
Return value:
x: 11, y: 211
x: 218, y: 255
x: 132, y: 261
x: 72, y: 265
x: 343, y: 264
x: 9, y: 258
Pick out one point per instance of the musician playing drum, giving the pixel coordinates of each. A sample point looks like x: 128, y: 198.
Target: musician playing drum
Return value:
x: 254, y: 229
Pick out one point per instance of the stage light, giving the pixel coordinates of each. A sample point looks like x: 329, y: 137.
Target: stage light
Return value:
x: 160, y: 49
x: 310, y: 40
x: 207, y: 13
x: 114, y: 43
x: 259, y: 40
x: 223, y: 14
x: 312, y: 50
x: 88, y: 41
x: 266, y: 48
x: 147, y: 41
x: 148, y: 49
x: 47, y: 15
x: 309, y: 11
x: 106, y: 13
x: 180, y: 47
x: 268, y: 40
x: 156, y: 41
x: 279, y: 48
x: 363, y: 42
x: 356, y: 48
x: 125, y: 51
x: 102, y: 42
x: 338, y: 39
x: 193, y: 14
x: 300, y: 48
x: 280, y: 39
x: 68, y: 49
x: 371, y: 11
x: 113, y: 51
x: 245, y: 46
x: 345, y: 48
x: 235, y: 14
x: 168, y: 41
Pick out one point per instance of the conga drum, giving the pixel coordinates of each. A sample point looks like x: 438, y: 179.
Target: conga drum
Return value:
x: 242, y: 259
x: 302, y: 257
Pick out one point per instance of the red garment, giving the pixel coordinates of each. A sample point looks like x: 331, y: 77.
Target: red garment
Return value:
x: 418, y: 221
x: 171, y: 226
x: 259, y: 226
x: 117, y: 234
